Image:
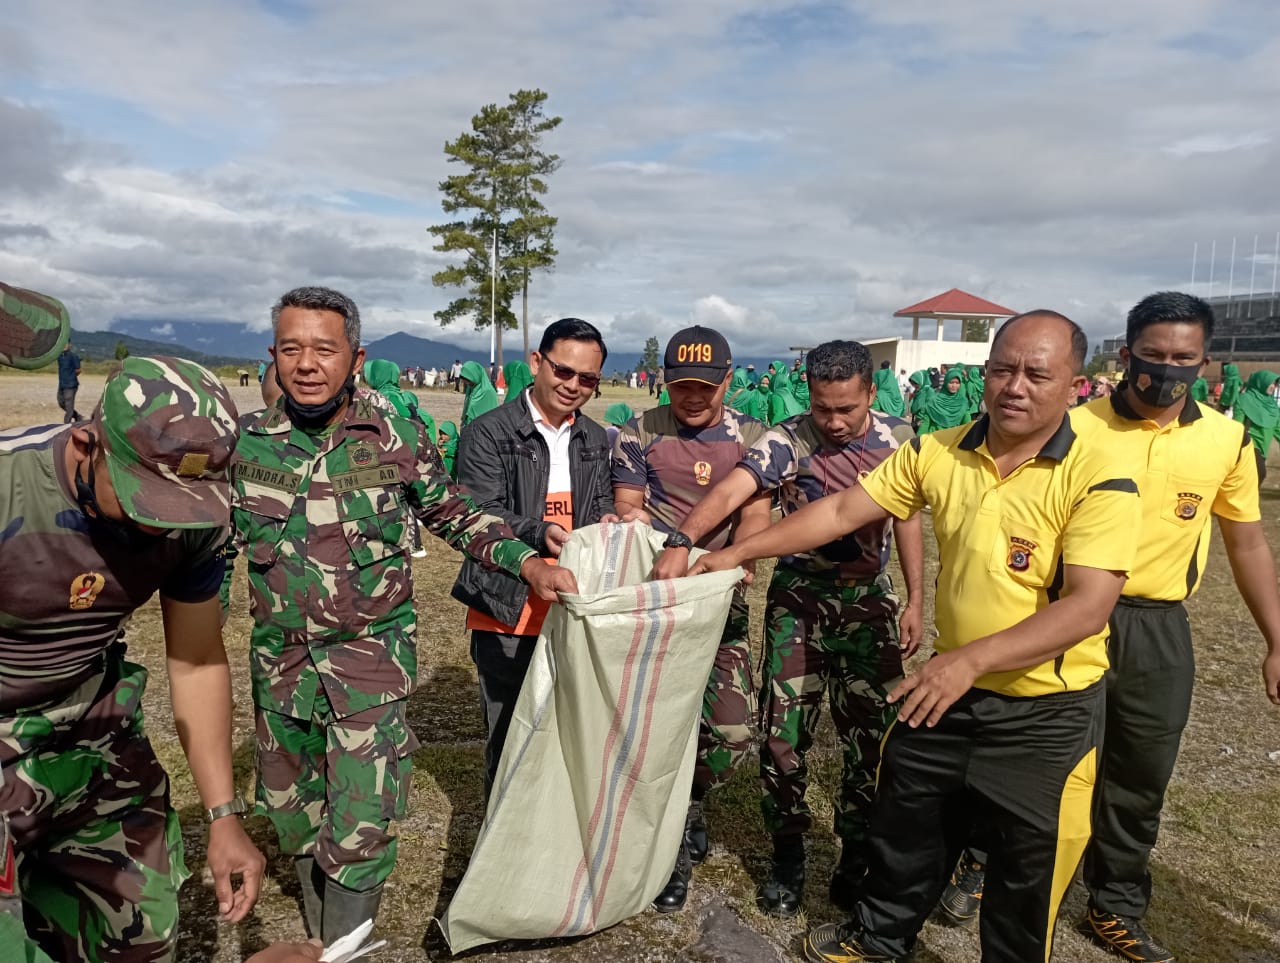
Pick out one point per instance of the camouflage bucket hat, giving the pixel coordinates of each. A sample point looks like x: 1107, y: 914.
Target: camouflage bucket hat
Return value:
x: 33, y: 327
x: 168, y: 428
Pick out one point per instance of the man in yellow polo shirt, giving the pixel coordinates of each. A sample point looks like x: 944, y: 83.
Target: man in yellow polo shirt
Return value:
x: 1190, y: 462
x: 1002, y: 726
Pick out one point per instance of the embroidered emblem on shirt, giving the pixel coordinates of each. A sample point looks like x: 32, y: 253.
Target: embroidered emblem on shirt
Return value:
x: 1020, y: 550
x: 702, y: 472
x: 361, y: 455
x: 85, y: 589
x: 1188, y: 505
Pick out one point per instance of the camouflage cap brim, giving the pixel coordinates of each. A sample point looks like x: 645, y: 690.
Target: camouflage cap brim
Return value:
x: 33, y: 327
x: 168, y: 429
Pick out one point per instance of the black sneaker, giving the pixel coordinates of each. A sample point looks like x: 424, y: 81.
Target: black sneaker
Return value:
x: 1124, y: 936
x: 839, y: 943
x: 962, y: 898
x: 695, y: 833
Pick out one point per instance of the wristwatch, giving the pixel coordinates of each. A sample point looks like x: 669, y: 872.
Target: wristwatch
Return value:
x: 678, y: 539
x: 235, y: 807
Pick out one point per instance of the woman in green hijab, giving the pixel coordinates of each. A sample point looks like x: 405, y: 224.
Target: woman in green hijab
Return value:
x: 384, y: 378
x: 447, y: 442
x: 738, y: 385
x: 1256, y: 409
x: 1200, y: 390
x: 1231, y: 384
x: 923, y: 389
x: 947, y: 407
x: 783, y: 402
x: 481, y: 395
x: 974, y: 386
x: 888, y: 394
x: 518, y: 377
x: 800, y: 385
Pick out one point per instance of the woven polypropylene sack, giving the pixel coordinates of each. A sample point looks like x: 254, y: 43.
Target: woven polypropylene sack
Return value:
x: 589, y: 802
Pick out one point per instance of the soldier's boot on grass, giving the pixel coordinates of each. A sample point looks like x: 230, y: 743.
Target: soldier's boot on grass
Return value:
x: 695, y: 833
x: 962, y: 899
x: 847, y: 876
x: 345, y: 909
x: 783, y: 891
x: 674, y: 894
x: 311, y: 879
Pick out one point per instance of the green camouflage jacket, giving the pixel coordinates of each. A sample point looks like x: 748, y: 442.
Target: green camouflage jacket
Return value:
x: 322, y: 518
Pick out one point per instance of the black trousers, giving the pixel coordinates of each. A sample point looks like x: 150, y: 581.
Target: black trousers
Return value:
x: 1148, y: 702
x: 502, y: 661
x: 1017, y: 774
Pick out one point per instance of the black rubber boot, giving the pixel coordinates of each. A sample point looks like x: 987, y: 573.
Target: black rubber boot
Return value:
x: 783, y: 892
x: 847, y: 877
x: 676, y: 891
x: 695, y: 833
x: 311, y: 879
x: 345, y: 909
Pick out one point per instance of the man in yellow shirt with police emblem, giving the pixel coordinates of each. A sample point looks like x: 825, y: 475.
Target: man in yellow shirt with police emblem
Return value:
x: 1002, y: 726
x: 1190, y: 462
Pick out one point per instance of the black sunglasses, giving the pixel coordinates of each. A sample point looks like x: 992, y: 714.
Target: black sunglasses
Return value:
x: 565, y: 373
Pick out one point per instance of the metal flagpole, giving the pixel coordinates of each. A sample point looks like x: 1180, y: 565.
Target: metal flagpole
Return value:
x: 1195, y: 249
x: 1231, y: 276
x: 1253, y: 269
x: 1213, y: 257
x: 493, y: 299
x: 1275, y: 267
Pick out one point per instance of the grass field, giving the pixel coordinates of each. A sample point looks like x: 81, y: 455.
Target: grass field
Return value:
x: 1216, y: 880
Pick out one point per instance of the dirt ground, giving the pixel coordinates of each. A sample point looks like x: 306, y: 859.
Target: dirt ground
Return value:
x: 1217, y: 890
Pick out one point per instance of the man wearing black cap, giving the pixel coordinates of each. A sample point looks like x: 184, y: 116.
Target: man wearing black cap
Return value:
x: 664, y: 461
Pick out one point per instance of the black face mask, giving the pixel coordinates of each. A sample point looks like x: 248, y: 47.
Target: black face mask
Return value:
x: 123, y: 533
x: 1160, y: 385
x: 316, y: 416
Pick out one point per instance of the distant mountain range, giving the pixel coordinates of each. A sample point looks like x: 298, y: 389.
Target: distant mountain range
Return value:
x: 215, y: 344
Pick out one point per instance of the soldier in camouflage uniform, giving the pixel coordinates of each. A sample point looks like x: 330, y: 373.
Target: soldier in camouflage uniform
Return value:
x: 323, y: 484
x: 664, y: 462
x: 830, y: 616
x: 96, y: 518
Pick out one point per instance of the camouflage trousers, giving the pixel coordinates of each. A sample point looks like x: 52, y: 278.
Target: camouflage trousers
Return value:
x: 333, y: 787
x: 838, y: 637
x: 99, y: 850
x: 728, y: 705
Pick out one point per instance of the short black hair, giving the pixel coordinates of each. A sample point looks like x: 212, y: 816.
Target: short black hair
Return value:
x: 1165, y: 307
x: 885, y: 363
x: 839, y: 361
x: 1079, y: 340
x: 575, y: 329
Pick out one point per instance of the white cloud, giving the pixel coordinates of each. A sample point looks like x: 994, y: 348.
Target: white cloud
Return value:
x: 163, y: 330
x: 780, y: 171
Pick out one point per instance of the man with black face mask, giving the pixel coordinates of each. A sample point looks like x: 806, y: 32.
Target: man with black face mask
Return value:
x: 323, y: 485
x: 1189, y: 462
x: 96, y: 518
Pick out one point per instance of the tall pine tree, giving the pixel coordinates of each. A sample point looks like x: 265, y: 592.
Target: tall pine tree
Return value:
x: 500, y: 190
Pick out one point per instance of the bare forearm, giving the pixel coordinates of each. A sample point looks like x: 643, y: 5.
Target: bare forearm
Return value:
x: 1042, y: 636
x: 1255, y: 574
x: 908, y: 535
x: 721, y: 502
x: 201, y: 699
x: 816, y: 524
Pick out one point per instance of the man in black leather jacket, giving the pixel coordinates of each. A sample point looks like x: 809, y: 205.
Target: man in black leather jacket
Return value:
x: 543, y: 467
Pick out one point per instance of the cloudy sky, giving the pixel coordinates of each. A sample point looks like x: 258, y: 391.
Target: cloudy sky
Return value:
x: 786, y: 171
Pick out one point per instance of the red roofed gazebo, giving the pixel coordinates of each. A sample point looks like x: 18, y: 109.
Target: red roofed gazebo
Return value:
x: 958, y: 305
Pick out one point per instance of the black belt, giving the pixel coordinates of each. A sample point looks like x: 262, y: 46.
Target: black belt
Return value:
x: 1137, y: 602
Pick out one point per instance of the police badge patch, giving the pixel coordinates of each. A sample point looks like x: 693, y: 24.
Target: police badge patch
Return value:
x: 1188, y: 505
x: 1020, y: 550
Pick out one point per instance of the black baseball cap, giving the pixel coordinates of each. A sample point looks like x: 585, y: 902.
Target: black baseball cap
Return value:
x: 697, y: 354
